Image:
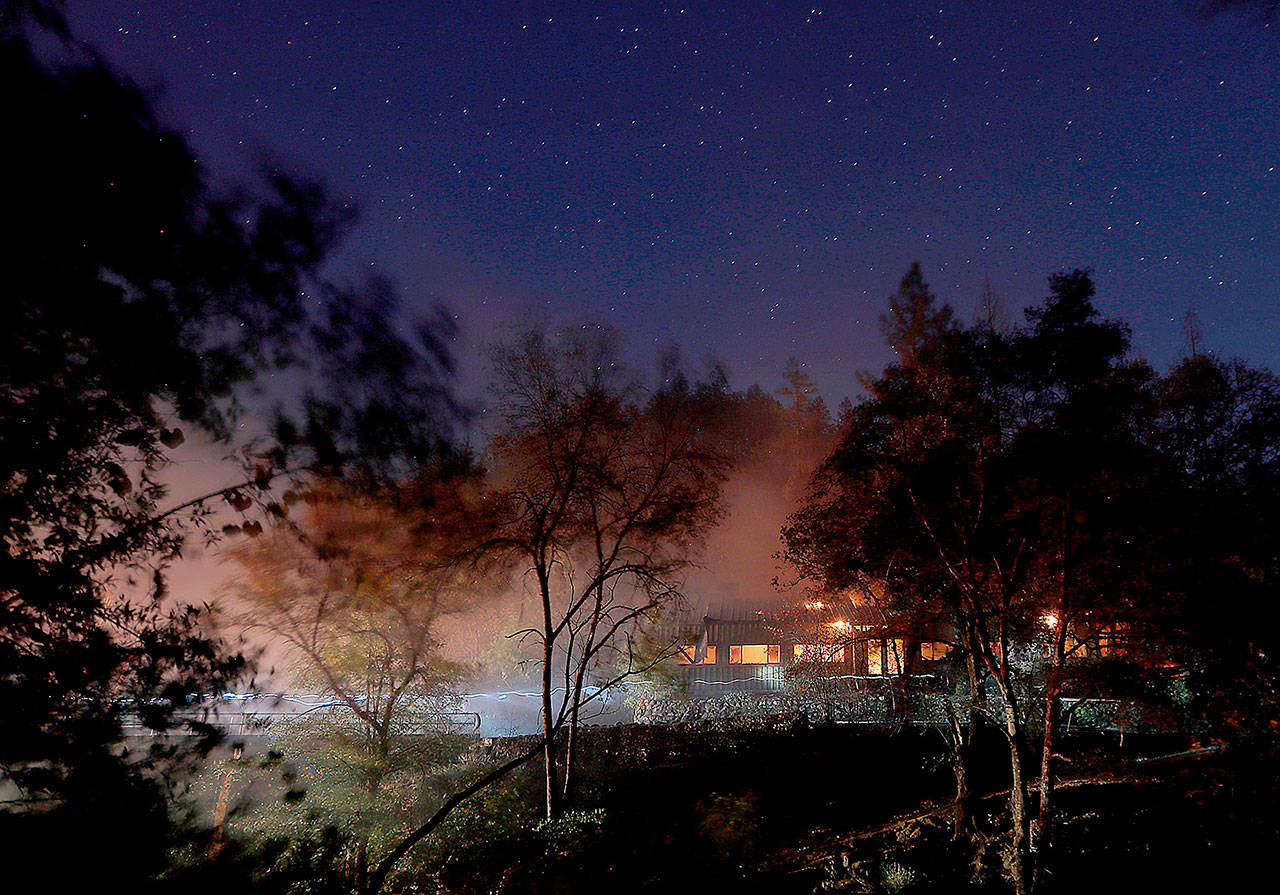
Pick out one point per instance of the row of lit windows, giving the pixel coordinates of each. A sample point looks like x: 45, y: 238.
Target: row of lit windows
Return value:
x: 739, y: 654
x: 883, y: 656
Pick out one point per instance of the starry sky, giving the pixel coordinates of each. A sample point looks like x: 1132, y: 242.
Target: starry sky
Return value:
x: 750, y: 180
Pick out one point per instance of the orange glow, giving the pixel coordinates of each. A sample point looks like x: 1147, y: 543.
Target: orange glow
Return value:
x: 933, y: 650
x: 818, y: 652
x: 815, y: 605
x: 755, y: 654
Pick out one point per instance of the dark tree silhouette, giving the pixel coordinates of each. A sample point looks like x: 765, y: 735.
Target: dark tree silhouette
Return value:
x: 991, y: 480
x: 137, y: 300
x: 1218, y: 423
x: 1263, y: 11
x: 604, y: 495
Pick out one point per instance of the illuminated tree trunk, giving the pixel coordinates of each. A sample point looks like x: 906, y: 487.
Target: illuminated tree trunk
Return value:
x: 570, y: 754
x: 571, y: 743
x: 1052, y: 711
x: 1044, y: 818
x: 958, y: 768
x: 579, y: 678
x: 1060, y: 614
x: 1018, y: 846
x: 548, y: 732
x: 962, y: 734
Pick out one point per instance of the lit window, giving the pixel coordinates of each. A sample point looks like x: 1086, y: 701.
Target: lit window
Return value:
x: 933, y: 650
x: 710, y: 657
x: 755, y: 654
x: 884, y: 656
x: 893, y: 656
x: 819, y: 652
x: 1111, y: 641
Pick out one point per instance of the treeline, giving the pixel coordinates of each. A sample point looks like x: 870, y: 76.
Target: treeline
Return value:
x: 1035, y: 489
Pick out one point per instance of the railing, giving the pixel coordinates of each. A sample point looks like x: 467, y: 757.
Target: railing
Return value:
x: 261, y: 723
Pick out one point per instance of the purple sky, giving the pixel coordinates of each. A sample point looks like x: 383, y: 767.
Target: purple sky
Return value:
x: 750, y: 180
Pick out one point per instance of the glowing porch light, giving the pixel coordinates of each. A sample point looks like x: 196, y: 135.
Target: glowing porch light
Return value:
x: 1050, y: 620
x: 815, y: 605
x: 840, y: 625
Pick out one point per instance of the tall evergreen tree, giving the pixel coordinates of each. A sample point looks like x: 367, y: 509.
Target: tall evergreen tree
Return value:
x: 993, y: 480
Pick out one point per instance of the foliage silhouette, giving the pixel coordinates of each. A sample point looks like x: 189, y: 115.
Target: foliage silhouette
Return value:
x: 139, y: 303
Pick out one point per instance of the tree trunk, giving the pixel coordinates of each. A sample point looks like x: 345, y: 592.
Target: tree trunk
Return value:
x: 1019, y: 846
x: 570, y: 753
x: 361, y: 881
x: 548, y: 733
x: 1044, y: 818
x: 964, y: 734
x: 571, y: 744
x: 552, y: 806
x: 579, y: 678
x: 1052, y: 700
x: 959, y: 769
x: 372, y: 786
x: 1052, y: 709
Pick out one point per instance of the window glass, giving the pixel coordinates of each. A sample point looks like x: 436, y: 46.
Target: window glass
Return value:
x: 820, y: 652
x: 893, y: 656
x: 1111, y: 641
x: 933, y: 650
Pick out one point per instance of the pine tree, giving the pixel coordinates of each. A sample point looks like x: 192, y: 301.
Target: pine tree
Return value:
x: 915, y: 318
x: 800, y: 390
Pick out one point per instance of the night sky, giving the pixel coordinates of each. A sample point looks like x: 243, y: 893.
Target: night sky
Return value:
x: 751, y: 180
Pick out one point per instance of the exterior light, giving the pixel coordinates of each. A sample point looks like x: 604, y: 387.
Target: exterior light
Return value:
x: 840, y: 625
x: 1050, y: 620
x: 815, y: 605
